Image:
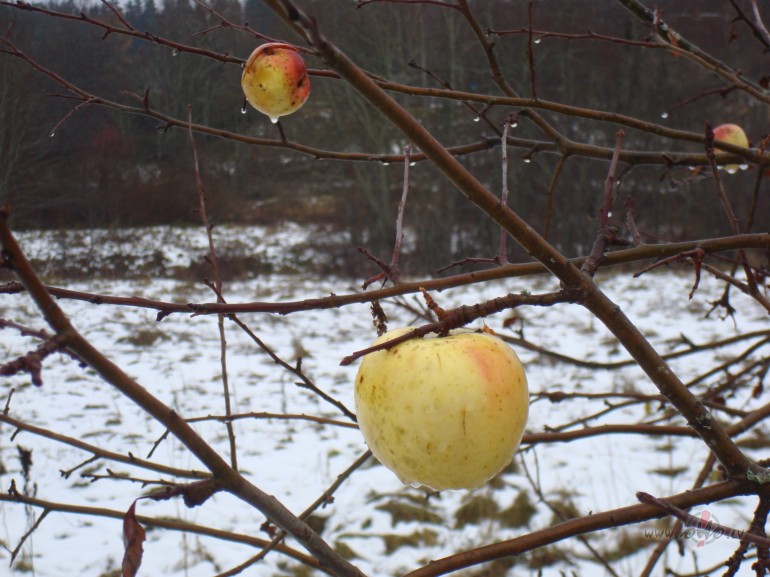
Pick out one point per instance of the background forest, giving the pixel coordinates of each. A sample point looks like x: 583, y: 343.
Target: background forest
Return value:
x: 98, y: 171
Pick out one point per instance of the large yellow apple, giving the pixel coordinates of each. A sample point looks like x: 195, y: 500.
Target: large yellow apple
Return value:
x: 444, y: 412
x: 731, y: 134
x: 275, y: 80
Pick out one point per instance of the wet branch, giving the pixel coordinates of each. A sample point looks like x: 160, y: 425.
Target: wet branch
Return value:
x: 227, y: 478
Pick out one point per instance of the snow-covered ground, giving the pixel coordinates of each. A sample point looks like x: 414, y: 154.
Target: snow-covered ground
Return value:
x: 384, y: 527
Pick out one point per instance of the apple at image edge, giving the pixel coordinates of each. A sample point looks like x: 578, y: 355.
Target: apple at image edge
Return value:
x: 444, y: 412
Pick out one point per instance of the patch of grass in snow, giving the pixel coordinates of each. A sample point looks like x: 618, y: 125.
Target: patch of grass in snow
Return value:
x: 144, y: 337
x: 423, y: 537
x: 476, y: 508
x: 519, y: 513
x: 401, y: 512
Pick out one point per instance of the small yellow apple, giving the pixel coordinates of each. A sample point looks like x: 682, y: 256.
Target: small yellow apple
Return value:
x: 444, y: 412
x: 731, y: 134
x: 275, y: 80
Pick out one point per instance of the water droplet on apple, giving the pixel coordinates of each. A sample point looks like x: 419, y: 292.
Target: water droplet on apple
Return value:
x: 664, y: 115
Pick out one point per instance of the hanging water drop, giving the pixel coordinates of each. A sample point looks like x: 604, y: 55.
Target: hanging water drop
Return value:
x: 243, y: 110
x: 514, y: 124
x: 477, y: 119
x: 537, y: 40
x: 527, y: 160
x: 732, y: 169
x: 664, y: 115
x: 274, y: 119
x: 743, y: 166
x: 413, y: 163
x: 174, y: 52
x: 53, y: 133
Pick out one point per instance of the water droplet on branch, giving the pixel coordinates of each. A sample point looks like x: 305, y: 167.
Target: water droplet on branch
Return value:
x: 664, y: 115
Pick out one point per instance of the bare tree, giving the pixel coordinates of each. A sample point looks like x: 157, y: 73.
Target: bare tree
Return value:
x: 526, y: 116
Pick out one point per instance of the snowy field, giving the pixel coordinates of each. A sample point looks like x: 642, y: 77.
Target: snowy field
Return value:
x: 381, y: 526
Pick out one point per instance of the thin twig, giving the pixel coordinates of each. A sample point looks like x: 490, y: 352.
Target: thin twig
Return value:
x: 395, y: 266
x: 758, y: 21
x: 699, y: 523
x: 733, y: 220
x: 227, y: 477
x: 217, y: 287
x: 606, y: 235
x: 27, y: 534
x: 530, y: 53
x: 502, y: 252
x: 324, y: 499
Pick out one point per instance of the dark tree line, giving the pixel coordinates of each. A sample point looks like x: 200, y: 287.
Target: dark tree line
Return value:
x: 110, y: 169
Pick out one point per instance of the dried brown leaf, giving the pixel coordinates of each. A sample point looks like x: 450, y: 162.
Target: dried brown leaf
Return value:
x: 133, y: 537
